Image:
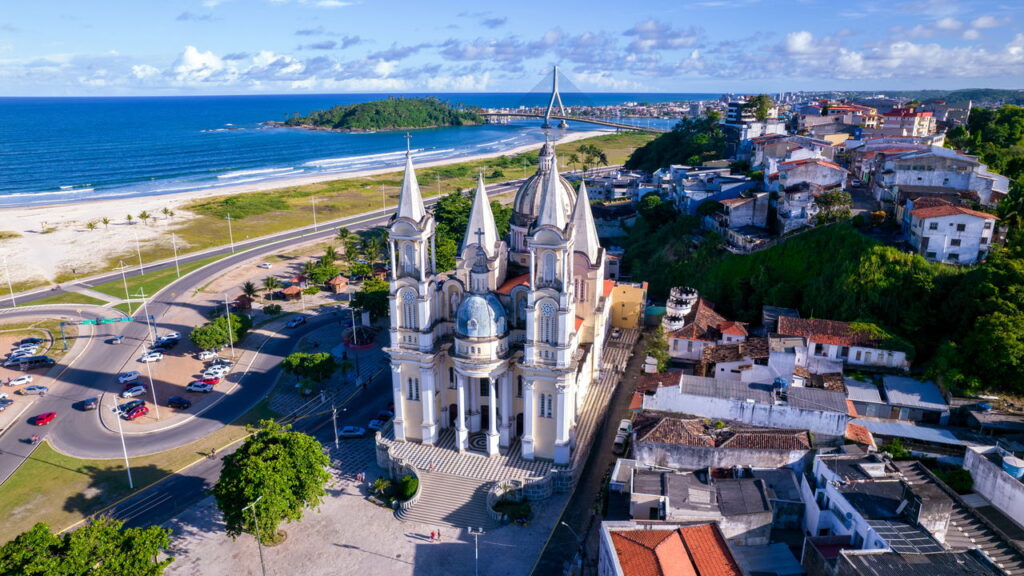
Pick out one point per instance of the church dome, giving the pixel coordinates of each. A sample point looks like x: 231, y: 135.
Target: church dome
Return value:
x: 526, y: 205
x: 481, y: 316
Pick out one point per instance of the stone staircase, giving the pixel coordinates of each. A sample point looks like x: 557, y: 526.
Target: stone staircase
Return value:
x: 447, y: 500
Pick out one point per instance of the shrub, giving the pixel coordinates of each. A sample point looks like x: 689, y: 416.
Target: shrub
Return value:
x: 272, y: 309
x: 958, y: 479
x: 311, y: 290
x: 382, y: 487
x: 408, y: 486
x: 514, y: 510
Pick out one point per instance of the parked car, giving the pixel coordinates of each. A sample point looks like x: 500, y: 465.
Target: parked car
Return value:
x: 206, y: 355
x: 198, y: 387
x: 129, y: 377
x: 31, y: 341
x: 210, y: 381
x: 90, y: 404
x: 616, y: 333
x: 179, y: 403
x: 855, y: 182
x: 20, y: 380
x: 162, y: 345
x: 297, y: 321
x: 129, y: 406
x: 29, y: 349
x: 21, y: 354
x: 116, y: 340
x: 222, y: 362
x: 4, y: 403
x: 136, y: 412
x: 29, y: 390
x: 625, y: 426
x: 133, y: 392
x: 377, y: 425
x: 352, y: 432
x: 30, y: 362
x: 216, y: 371
x: 385, y: 415
x: 264, y: 265
x: 44, y: 418
x: 619, y: 447
x: 152, y: 357
x: 175, y: 336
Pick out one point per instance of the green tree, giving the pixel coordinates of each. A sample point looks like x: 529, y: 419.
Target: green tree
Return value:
x: 591, y: 156
x: 502, y: 218
x: 657, y: 348
x: 330, y: 254
x: 761, y: 105
x: 322, y: 273
x: 250, y: 289
x: 271, y: 283
x: 272, y: 478
x: 102, y: 547
x: 215, y: 334
x: 691, y: 141
x: 360, y: 270
x: 90, y: 225
x: 145, y: 216
x: 128, y: 218
x: 343, y: 234
x: 373, y: 297
x: 106, y: 222
x: 835, y: 206
x: 317, y: 367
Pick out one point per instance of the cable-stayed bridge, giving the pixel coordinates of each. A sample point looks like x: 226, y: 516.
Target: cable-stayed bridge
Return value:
x: 556, y: 111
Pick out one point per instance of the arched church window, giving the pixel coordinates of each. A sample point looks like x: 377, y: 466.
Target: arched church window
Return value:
x: 548, y: 272
x: 408, y: 259
x: 547, y: 323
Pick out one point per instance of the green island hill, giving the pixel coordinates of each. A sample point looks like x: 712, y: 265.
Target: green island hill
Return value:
x: 388, y: 114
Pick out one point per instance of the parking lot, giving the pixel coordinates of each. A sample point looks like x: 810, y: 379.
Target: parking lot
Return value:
x: 19, y: 404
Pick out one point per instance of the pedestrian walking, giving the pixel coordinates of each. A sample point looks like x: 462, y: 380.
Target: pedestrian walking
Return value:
x: 433, y: 536
x: 438, y: 534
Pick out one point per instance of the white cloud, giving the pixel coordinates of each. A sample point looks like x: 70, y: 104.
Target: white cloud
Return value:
x: 971, y: 34
x: 195, y: 66
x: 988, y: 22
x: 801, y: 42
x: 333, y: 4
x: 948, y: 23
x: 143, y: 71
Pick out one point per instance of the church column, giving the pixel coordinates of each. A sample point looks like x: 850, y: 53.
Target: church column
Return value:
x: 422, y: 251
x: 563, y: 448
x: 528, y: 411
x: 533, y: 269
x: 429, y: 402
x: 433, y: 253
x: 474, y: 404
x: 396, y: 389
x: 506, y: 407
x: 394, y: 268
x: 461, y: 434
x: 492, y: 418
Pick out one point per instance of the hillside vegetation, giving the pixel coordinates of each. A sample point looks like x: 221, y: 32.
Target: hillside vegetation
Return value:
x: 389, y: 114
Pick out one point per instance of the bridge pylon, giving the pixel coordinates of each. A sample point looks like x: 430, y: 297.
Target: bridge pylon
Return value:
x: 555, y: 97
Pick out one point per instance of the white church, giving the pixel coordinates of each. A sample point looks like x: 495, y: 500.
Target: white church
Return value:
x: 501, y: 351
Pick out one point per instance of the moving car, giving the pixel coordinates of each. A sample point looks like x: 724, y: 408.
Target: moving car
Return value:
x: 179, y: 403
x: 90, y: 404
x: 133, y: 392
x: 136, y: 412
x: 116, y: 340
x: 44, y: 418
x: 198, y: 387
x: 40, y: 390
x: 297, y: 321
x: 152, y: 357
x: 206, y: 355
x: 129, y: 377
x: 264, y: 265
x: 20, y: 380
x: 128, y: 406
x: 352, y: 432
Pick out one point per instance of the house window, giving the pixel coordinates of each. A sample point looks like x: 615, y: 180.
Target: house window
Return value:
x: 857, y: 356
x: 844, y: 352
x: 953, y: 257
x: 984, y: 240
x: 689, y: 345
x: 961, y: 227
x: 930, y: 255
x: 954, y: 242
x: 413, y: 393
x: 933, y: 225
x: 867, y: 357
x: 988, y: 225
x: 819, y: 349
x: 675, y: 345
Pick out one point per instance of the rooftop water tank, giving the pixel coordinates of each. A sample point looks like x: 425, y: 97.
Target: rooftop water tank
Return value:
x: 1013, y: 466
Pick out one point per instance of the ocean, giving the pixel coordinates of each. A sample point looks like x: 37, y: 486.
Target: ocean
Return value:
x: 56, y: 150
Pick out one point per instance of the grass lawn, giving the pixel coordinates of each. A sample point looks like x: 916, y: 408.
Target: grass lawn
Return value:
x: 42, y: 329
x: 123, y: 307
x: 151, y: 282
x: 65, y: 298
x: 60, y: 490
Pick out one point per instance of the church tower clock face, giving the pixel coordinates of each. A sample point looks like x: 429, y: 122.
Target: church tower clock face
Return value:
x: 408, y: 296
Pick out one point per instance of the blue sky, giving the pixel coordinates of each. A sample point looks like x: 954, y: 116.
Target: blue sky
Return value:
x: 143, y: 47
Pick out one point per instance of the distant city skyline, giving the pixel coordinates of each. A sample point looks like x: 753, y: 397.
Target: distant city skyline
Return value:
x: 110, y: 48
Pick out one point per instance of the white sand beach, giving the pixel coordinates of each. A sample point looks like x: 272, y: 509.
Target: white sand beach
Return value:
x: 54, y: 239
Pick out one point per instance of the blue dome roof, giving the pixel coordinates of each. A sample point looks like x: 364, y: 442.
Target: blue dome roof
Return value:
x: 481, y: 316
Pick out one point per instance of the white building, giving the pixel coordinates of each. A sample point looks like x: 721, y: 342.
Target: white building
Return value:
x: 938, y: 171
x: 942, y: 232
x: 844, y: 342
x: 690, y: 324
x: 508, y: 343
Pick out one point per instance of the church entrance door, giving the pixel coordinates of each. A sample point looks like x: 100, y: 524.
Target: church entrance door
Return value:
x: 453, y: 415
x: 519, y: 424
x: 485, y: 417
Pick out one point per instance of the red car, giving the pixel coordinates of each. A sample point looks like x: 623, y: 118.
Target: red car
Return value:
x: 136, y: 412
x: 44, y: 418
x: 210, y: 381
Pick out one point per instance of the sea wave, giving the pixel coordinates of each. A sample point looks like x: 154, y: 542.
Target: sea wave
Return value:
x: 239, y: 173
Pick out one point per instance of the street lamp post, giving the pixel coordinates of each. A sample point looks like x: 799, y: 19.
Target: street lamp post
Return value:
x: 580, y: 544
x: 9, y: 285
x: 476, y: 534
x: 152, y: 340
x: 334, y: 421
x: 231, y: 337
x: 127, y: 296
x: 231, y: 236
x: 124, y: 448
x: 256, y: 525
x: 138, y: 250
x: 314, y: 212
x: 355, y: 342
x: 174, y: 244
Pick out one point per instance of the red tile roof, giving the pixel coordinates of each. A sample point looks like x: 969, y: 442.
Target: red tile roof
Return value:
x: 637, y: 401
x: 734, y: 328
x: 806, y: 161
x: 291, y: 290
x: 929, y: 201
x: 734, y: 201
x: 654, y: 381
x: 686, y: 551
x: 769, y: 440
x: 701, y: 323
x: 825, y: 332
x: 506, y: 288
x: 859, y: 434
x: 579, y: 322
x: 851, y: 410
x: 948, y: 210
x: 609, y: 285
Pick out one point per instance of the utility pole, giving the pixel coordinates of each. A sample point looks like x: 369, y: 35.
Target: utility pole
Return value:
x: 124, y: 448
x: 127, y: 296
x: 256, y: 525
x: 152, y: 341
x: 314, y: 212
x: 9, y: 285
x: 383, y: 200
x: 231, y: 336
x: 174, y: 243
x: 476, y: 534
x: 231, y: 237
x: 334, y: 421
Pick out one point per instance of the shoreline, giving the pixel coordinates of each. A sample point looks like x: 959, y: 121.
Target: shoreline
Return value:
x: 53, y: 239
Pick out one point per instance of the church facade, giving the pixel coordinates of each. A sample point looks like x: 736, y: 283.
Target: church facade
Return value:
x: 507, y: 344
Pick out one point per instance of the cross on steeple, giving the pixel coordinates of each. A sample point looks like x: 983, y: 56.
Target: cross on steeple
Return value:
x: 408, y: 143
x: 479, y: 236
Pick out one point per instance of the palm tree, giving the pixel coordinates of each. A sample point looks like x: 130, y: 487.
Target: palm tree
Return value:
x: 330, y: 254
x: 343, y: 233
x: 249, y: 289
x: 344, y: 365
x: 128, y: 218
x: 90, y: 226
x: 166, y: 212
x: 106, y: 222
x: 574, y: 159
x: 170, y: 213
x: 309, y: 267
x: 145, y: 216
x: 270, y: 284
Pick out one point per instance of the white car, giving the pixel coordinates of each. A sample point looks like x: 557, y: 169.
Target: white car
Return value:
x: 199, y: 387
x: 211, y: 373
x: 26, y: 348
x: 40, y: 390
x: 152, y: 357
x: 133, y: 392
x: 222, y: 362
x: 170, y: 336
x: 20, y: 381
x: 206, y: 355
x: 129, y: 377
x: 264, y: 265
x: 351, y: 432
